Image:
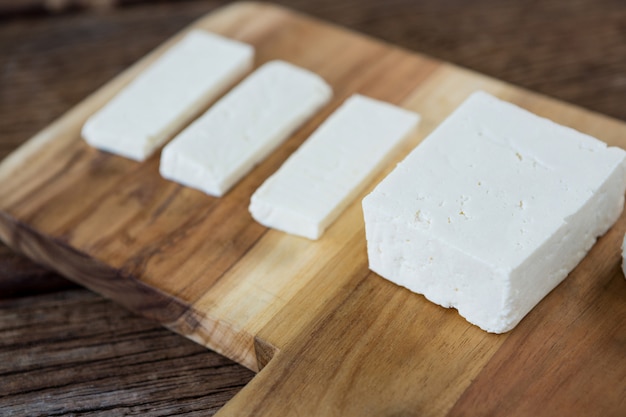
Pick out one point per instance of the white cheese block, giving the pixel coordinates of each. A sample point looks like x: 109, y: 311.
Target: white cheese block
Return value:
x: 240, y: 130
x: 163, y: 98
x: 493, y: 210
x: 318, y: 181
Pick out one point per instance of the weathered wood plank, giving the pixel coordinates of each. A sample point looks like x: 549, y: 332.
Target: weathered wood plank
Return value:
x: 74, y: 353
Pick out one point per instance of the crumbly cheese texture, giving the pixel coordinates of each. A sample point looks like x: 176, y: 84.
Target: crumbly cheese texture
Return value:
x: 162, y: 99
x: 493, y: 210
x: 240, y: 130
x: 318, y: 181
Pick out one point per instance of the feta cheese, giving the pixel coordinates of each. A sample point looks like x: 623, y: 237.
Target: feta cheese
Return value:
x: 162, y: 99
x: 493, y: 210
x: 240, y: 130
x: 318, y: 181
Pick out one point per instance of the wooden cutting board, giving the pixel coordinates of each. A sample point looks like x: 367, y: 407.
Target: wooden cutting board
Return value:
x: 329, y: 336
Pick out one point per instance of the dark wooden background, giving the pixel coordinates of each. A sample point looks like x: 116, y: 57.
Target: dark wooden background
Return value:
x: 67, y: 351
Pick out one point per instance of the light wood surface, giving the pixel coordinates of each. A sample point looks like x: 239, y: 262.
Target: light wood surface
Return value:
x: 332, y: 338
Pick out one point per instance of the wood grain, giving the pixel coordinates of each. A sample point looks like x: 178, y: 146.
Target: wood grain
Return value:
x: 566, y: 64
x: 60, y: 351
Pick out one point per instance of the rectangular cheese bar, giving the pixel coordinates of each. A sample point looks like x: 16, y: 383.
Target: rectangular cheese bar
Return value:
x: 318, y: 181
x: 240, y: 130
x: 493, y: 210
x: 163, y: 98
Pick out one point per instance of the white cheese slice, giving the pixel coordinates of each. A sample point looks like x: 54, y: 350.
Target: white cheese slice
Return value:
x: 163, y: 98
x: 240, y: 130
x: 493, y: 210
x: 318, y: 181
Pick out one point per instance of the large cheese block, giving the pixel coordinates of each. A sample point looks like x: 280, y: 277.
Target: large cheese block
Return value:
x: 161, y: 100
x: 493, y: 210
x: 241, y: 129
x: 317, y: 182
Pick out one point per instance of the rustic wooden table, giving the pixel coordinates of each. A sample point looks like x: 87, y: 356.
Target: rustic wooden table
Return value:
x: 67, y: 351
